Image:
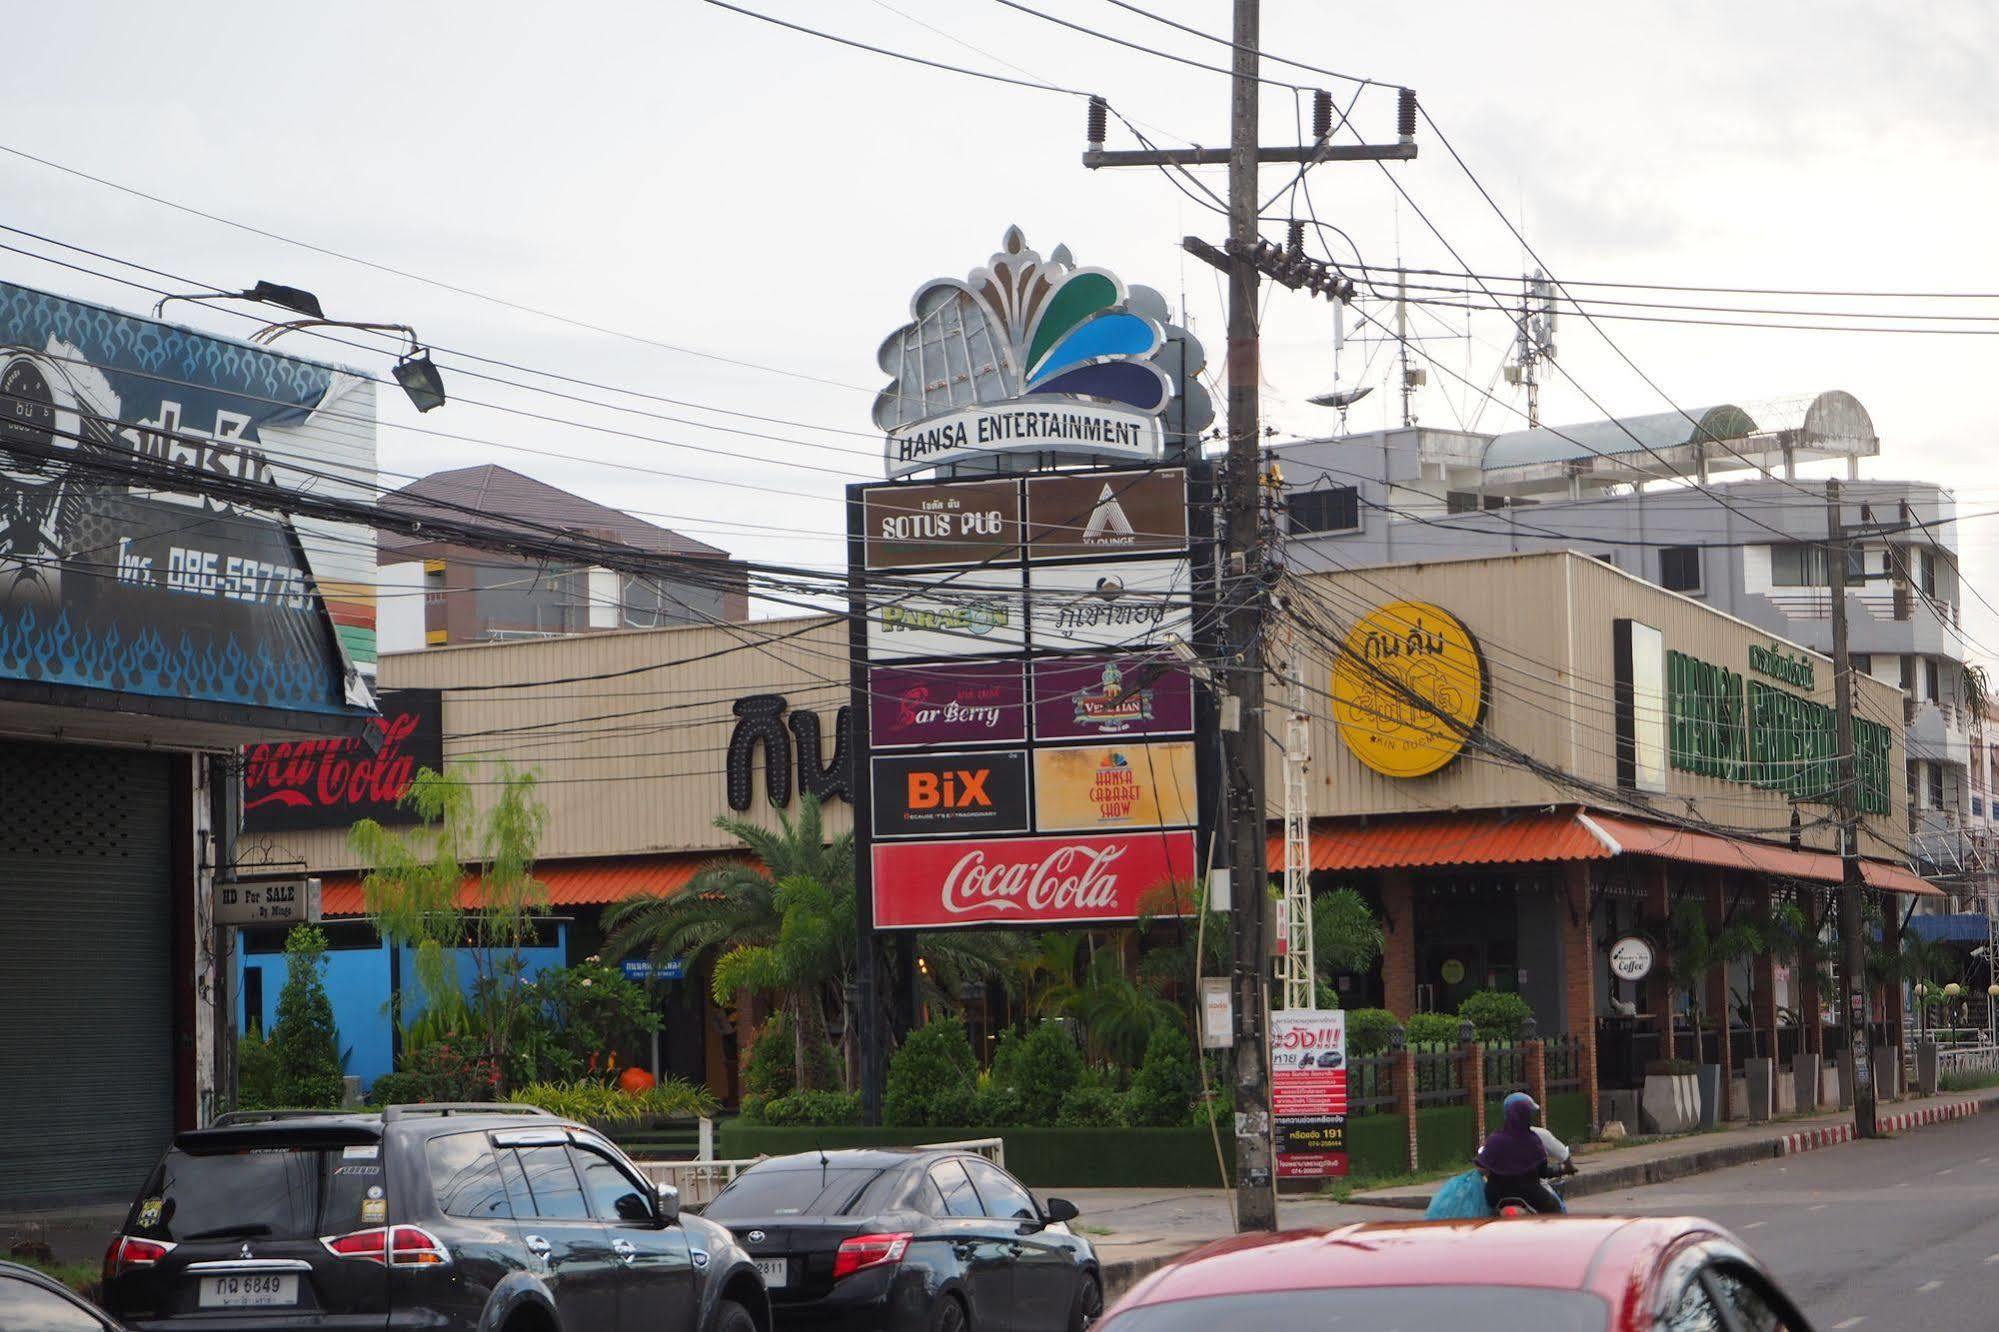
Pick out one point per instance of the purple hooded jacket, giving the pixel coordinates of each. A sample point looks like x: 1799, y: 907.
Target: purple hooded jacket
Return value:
x: 1515, y: 1149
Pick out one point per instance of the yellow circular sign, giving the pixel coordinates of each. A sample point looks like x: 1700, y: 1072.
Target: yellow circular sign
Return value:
x: 1408, y: 688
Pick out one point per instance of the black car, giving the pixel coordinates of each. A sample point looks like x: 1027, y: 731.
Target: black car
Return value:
x: 31, y: 1301
x: 909, y: 1240
x: 452, y: 1218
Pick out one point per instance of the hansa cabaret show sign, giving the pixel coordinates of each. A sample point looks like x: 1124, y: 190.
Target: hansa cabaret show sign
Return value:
x: 1033, y: 355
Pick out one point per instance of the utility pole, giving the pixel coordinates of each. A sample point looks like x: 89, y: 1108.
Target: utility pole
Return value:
x: 1245, y: 559
x: 1853, y: 943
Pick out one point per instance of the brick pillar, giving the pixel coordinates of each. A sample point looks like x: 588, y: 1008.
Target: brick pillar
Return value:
x: 1808, y: 974
x: 1891, y: 998
x: 1716, y: 909
x: 1580, y: 964
x: 1537, y: 1074
x: 1763, y: 974
x: 1471, y: 1058
x: 1405, y: 1100
x: 1398, y: 943
x: 1659, y: 986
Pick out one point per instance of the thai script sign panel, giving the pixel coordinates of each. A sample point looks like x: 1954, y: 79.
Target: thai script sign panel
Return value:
x: 968, y: 523
x: 955, y: 704
x: 1129, y: 604
x: 1032, y: 881
x: 1090, y: 698
x: 1408, y: 688
x: 1096, y: 788
x: 972, y: 792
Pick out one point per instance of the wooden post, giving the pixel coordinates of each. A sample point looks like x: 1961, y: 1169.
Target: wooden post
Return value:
x: 1537, y: 1074
x: 1809, y: 999
x: 1716, y: 911
x: 1659, y: 985
x: 1763, y: 968
x: 1398, y: 943
x: 1405, y: 1092
x: 1580, y: 961
x: 1471, y: 1056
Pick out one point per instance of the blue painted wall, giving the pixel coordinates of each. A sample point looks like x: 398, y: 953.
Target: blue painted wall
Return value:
x: 357, y: 985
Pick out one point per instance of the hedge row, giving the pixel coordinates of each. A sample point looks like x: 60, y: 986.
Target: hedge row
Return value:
x: 1160, y: 1157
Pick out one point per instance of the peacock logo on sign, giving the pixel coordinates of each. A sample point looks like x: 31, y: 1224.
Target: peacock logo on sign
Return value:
x: 1027, y: 355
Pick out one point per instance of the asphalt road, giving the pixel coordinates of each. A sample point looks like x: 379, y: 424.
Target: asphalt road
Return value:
x: 1901, y: 1233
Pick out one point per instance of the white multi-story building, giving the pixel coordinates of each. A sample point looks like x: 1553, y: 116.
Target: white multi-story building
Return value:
x: 1708, y: 503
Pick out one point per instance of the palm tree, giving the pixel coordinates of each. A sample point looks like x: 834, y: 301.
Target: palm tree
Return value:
x: 782, y: 922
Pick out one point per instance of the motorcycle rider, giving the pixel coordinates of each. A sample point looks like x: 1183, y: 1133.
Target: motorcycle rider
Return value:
x: 1516, y: 1162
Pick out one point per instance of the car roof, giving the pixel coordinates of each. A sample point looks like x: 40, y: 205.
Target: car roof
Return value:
x: 1589, y: 1253
x: 857, y: 1158
x: 245, y: 1130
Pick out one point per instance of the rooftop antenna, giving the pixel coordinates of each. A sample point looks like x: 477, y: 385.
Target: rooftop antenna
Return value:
x: 1534, y: 339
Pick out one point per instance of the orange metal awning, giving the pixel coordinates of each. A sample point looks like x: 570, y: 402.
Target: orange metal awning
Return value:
x: 1428, y: 841
x: 570, y: 882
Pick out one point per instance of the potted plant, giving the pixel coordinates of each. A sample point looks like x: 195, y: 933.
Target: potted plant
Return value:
x: 1693, y: 956
x: 1671, y: 1101
x: 1779, y: 934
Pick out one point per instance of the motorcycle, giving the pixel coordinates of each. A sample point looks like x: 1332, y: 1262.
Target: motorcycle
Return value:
x: 1561, y: 1166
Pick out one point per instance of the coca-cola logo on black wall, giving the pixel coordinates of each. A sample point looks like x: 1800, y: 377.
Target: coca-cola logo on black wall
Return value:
x: 336, y: 783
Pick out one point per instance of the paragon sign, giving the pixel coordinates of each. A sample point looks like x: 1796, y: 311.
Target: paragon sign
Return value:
x: 1027, y: 355
x: 1026, y: 880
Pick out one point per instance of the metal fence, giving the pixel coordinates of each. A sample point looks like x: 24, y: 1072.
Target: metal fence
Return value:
x: 1440, y: 1078
x: 1505, y: 1070
x: 1564, y: 1054
x: 1371, y: 1084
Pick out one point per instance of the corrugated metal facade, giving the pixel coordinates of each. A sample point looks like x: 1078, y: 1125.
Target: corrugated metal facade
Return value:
x: 631, y: 764
x: 1544, y: 628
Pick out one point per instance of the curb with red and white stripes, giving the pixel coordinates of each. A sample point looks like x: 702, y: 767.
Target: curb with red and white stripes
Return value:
x: 1830, y: 1135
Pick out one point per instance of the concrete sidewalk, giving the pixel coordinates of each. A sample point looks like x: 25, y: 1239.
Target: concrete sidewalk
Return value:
x: 1606, y: 1168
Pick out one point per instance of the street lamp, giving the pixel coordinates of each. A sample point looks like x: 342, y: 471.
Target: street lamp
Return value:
x: 414, y: 371
x: 296, y: 299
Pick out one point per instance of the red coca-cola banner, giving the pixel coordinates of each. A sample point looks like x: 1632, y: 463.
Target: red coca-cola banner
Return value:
x: 1027, y: 880
x: 334, y: 783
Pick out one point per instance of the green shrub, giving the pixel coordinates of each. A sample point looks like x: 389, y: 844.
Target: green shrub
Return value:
x: 447, y: 1070
x: 1092, y: 1107
x: 954, y: 1105
x: 1498, y: 1015
x: 1367, y: 1031
x: 934, y: 1059
x: 1431, y: 1029
x: 751, y: 1108
x: 1041, y: 1068
x: 256, y: 1075
x: 994, y: 1107
x: 1163, y: 1087
x: 304, y: 1043
x: 605, y: 1104
x: 771, y: 1070
x: 575, y: 1020
x: 1671, y: 1068
x: 814, y: 1108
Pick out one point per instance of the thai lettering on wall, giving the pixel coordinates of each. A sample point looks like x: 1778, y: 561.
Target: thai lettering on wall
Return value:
x: 768, y: 722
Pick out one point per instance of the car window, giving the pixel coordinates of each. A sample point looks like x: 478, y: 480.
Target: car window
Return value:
x: 465, y: 1177
x: 1745, y: 1294
x: 1694, y: 1311
x: 613, y: 1194
x: 790, y: 1190
x: 960, y: 1199
x: 26, y: 1307
x: 1001, y: 1195
x: 552, y: 1183
x: 272, y: 1193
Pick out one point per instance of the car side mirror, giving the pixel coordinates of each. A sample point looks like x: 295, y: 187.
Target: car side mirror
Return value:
x: 669, y: 1203
x: 1060, y: 1209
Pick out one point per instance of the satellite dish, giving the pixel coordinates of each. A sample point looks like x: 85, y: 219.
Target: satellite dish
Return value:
x: 1341, y: 398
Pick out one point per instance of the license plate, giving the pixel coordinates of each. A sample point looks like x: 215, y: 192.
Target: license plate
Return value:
x: 776, y: 1271
x: 248, y: 1292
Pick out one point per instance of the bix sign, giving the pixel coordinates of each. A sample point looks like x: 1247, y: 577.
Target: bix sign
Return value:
x: 950, y: 793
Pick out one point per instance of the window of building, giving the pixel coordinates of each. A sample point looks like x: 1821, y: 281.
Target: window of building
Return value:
x: 1908, y: 674
x: 1934, y: 771
x: 1915, y: 773
x: 1680, y: 568
x: 1333, y: 509
x: 1932, y: 679
x: 1802, y: 564
x: 1929, y: 573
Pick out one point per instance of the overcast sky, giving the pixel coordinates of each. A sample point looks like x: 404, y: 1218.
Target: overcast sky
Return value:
x: 704, y: 180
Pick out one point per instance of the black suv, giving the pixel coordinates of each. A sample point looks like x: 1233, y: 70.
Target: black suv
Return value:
x: 459, y: 1218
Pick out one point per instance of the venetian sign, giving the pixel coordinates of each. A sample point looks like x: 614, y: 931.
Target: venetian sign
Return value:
x: 1118, y: 514
x: 955, y: 704
x: 1126, y: 604
x: 1026, y: 880
x: 1097, y: 788
x: 1025, y: 355
x: 1090, y: 698
x: 1408, y: 688
x: 949, y: 794
x: 905, y: 526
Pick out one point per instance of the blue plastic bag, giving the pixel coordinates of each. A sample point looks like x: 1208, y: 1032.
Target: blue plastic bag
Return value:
x: 1462, y: 1197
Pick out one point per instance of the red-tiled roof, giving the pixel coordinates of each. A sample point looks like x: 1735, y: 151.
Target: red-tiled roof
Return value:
x: 570, y: 882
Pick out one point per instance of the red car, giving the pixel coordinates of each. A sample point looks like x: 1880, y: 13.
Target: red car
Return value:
x: 1535, y: 1274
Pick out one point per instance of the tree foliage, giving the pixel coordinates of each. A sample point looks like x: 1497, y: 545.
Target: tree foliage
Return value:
x: 1496, y: 1015
x: 1346, y: 936
x: 934, y: 1062
x: 305, y: 1045
x: 413, y: 893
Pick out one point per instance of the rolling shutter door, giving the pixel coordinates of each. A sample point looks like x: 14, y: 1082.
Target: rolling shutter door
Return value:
x: 86, y: 960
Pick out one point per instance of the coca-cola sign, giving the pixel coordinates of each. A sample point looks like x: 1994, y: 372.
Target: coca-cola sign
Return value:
x: 335, y: 783
x: 1026, y: 881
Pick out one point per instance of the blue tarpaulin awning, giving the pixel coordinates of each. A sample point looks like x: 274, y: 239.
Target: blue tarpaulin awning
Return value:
x: 1965, y: 927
